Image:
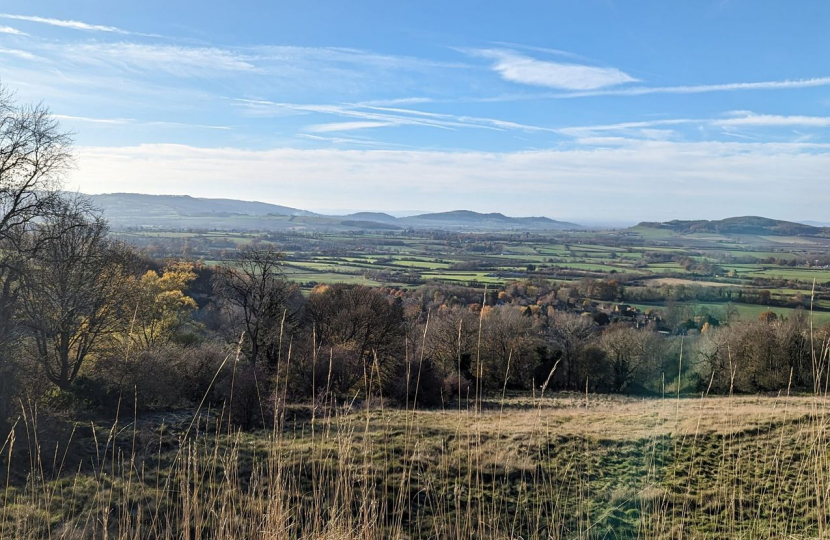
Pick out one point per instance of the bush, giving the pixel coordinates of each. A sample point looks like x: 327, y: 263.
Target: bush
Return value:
x: 421, y: 387
x: 455, y: 386
x: 246, y: 395
x: 157, y: 378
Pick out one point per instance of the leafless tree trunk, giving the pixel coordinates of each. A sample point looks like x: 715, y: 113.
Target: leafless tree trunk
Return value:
x: 254, y: 294
x: 34, y: 153
x: 72, y: 291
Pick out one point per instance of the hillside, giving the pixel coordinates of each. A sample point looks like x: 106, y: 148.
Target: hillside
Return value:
x: 183, y: 211
x: 466, y: 219
x: 129, y: 206
x: 378, y: 217
x: 752, y: 225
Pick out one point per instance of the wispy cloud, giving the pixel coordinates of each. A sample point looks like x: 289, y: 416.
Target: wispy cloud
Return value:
x: 545, y: 50
x: 12, y: 31
x: 786, y: 84
x: 518, y: 68
x: 345, y: 126
x: 373, y: 116
x: 584, y: 131
x: 187, y: 125
x: 703, y: 88
x: 462, y: 119
x: 772, y: 120
x: 132, y: 121
x: 344, y: 140
x: 86, y: 119
x: 287, y: 54
x: 171, y: 59
x: 25, y: 55
x: 395, y: 101
x: 75, y: 25
x: 604, y: 134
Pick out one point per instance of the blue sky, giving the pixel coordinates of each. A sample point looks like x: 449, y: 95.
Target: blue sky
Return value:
x: 591, y: 111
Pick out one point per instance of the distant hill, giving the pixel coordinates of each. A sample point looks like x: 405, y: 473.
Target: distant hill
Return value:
x: 379, y: 217
x: 741, y: 225
x: 466, y: 219
x: 128, y: 205
x: 182, y: 211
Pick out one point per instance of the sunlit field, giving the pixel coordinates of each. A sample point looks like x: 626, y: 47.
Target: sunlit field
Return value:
x: 555, y: 466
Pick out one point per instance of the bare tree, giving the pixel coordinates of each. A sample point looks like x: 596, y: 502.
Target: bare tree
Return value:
x: 633, y: 355
x: 360, y: 319
x: 510, y: 341
x: 255, y: 295
x: 71, y: 291
x: 570, y: 333
x: 451, y: 340
x: 34, y: 153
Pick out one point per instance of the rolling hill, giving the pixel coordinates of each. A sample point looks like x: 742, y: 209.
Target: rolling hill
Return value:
x: 750, y: 225
x: 125, y: 205
x: 466, y: 219
x: 182, y: 211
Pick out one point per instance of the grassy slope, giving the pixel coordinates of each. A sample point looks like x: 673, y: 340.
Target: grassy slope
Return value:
x: 564, y: 467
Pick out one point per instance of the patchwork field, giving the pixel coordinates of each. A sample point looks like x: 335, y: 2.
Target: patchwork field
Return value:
x: 741, y: 274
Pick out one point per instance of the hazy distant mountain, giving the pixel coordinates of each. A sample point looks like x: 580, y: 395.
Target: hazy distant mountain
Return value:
x: 466, y: 219
x: 380, y: 217
x: 815, y: 223
x: 741, y: 225
x: 182, y: 211
x: 120, y: 206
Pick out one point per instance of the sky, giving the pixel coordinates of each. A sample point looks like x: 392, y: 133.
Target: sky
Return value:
x: 591, y: 111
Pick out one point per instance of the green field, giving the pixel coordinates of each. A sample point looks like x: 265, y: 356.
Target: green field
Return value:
x: 411, y: 259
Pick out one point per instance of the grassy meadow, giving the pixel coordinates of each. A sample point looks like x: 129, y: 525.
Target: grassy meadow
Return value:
x: 511, y: 466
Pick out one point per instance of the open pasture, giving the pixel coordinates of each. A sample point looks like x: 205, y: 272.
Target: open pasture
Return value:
x: 559, y: 466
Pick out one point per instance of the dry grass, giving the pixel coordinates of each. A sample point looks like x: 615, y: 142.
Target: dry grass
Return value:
x: 564, y: 466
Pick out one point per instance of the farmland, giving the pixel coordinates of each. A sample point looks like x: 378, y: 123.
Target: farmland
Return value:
x: 746, y: 274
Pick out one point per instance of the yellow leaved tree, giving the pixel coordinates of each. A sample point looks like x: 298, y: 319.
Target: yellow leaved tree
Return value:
x: 160, y: 306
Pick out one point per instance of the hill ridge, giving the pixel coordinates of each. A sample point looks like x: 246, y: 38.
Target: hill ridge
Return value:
x: 186, y: 211
x: 757, y: 225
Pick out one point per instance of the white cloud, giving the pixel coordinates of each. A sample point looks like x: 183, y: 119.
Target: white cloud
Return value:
x: 86, y: 119
x: 74, y: 25
x: 344, y: 140
x: 584, y: 131
x: 345, y: 126
x: 187, y: 125
x: 12, y: 31
x: 269, y: 108
x: 772, y: 120
x: 374, y: 116
x: 172, y: 59
x: 522, y: 69
x: 703, y: 88
x: 632, y: 179
x: 292, y: 55
x: 24, y: 55
x: 737, y: 119
x: 131, y: 121
x: 787, y: 84
x: 545, y: 50
x: 395, y: 101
